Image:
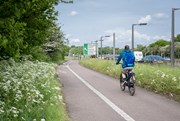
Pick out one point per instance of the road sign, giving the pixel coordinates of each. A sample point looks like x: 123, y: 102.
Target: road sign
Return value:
x: 89, y: 49
x: 85, y: 50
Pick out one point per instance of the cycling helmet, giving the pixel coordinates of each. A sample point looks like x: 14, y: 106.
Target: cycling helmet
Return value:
x: 126, y: 47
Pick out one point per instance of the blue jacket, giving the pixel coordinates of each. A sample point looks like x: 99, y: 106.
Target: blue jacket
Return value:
x: 122, y: 55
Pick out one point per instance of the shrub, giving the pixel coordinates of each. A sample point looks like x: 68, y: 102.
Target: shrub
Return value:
x: 28, y: 91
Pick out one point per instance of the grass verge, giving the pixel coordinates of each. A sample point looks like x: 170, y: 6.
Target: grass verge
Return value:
x: 160, y: 78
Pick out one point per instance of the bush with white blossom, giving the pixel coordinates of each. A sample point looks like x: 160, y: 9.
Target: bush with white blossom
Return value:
x: 26, y: 88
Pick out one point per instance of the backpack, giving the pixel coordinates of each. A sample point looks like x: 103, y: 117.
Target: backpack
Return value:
x: 129, y: 59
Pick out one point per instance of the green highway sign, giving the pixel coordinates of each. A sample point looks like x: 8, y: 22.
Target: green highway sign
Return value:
x: 89, y: 49
x: 85, y: 50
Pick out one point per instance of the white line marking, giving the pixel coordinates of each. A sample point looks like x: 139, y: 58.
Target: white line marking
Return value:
x: 105, y: 99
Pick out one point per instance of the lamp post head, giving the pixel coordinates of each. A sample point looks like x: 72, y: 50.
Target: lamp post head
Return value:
x: 139, y: 24
x: 175, y: 9
x: 104, y: 36
x: 142, y: 23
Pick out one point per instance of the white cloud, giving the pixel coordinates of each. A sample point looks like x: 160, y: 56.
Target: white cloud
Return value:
x: 149, y: 18
x: 157, y: 37
x: 67, y: 35
x: 145, y: 19
x: 73, y: 40
x: 73, y: 13
x: 141, y: 37
x: 160, y: 15
x: 124, y: 37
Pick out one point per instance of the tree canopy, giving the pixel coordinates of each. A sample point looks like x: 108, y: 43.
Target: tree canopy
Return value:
x: 159, y: 43
x: 27, y: 24
x: 177, y: 38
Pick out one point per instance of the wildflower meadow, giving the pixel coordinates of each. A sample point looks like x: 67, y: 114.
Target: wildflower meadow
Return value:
x: 159, y: 78
x: 30, y: 91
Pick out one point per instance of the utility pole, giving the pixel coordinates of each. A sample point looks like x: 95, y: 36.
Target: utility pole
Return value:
x: 96, y: 49
x: 101, y: 46
x: 133, y: 33
x: 172, y: 36
x: 114, y: 46
x: 101, y: 43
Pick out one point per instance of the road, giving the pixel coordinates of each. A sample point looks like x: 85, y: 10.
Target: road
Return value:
x: 92, y: 96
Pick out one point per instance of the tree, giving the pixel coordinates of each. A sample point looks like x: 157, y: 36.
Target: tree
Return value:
x: 140, y: 47
x: 177, y: 38
x: 56, y: 47
x: 106, y: 50
x: 76, y: 51
x: 155, y: 48
x: 11, y: 29
x: 26, y: 24
x: 159, y: 43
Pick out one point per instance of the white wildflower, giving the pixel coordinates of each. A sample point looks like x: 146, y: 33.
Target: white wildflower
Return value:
x: 153, y: 81
x: 163, y: 75
x: 1, y: 111
x: 57, y: 88
x: 41, y: 96
x: 174, y: 79
x: 55, y: 97
x: 23, y: 118
x: 43, y: 119
x: 171, y: 94
x: 60, y: 97
x: 35, y: 101
x: 167, y: 76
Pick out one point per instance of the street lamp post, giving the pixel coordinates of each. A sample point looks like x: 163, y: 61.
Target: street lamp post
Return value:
x: 172, y: 36
x: 101, y: 43
x: 133, y: 33
x: 114, y: 46
x: 96, y: 48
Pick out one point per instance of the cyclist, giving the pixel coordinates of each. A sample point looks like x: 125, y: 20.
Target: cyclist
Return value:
x: 128, y: 61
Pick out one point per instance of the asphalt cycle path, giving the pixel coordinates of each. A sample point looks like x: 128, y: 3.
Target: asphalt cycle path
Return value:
x: 92, y: 96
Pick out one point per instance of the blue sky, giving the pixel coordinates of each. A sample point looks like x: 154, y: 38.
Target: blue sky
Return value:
x: 85, y: 21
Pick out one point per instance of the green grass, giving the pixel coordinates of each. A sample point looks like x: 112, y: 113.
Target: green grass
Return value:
x: 159, y: 78
x: 56, y: 111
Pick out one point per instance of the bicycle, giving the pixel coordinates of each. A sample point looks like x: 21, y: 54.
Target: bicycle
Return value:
x: 130, y: 81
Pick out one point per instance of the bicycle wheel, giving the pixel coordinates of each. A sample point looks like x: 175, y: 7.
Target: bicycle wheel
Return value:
x: 122, y: 85
x: 131, y: 87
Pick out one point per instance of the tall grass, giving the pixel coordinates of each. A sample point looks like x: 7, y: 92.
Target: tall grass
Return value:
x: 160, y: 78
x: 29, y: 91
